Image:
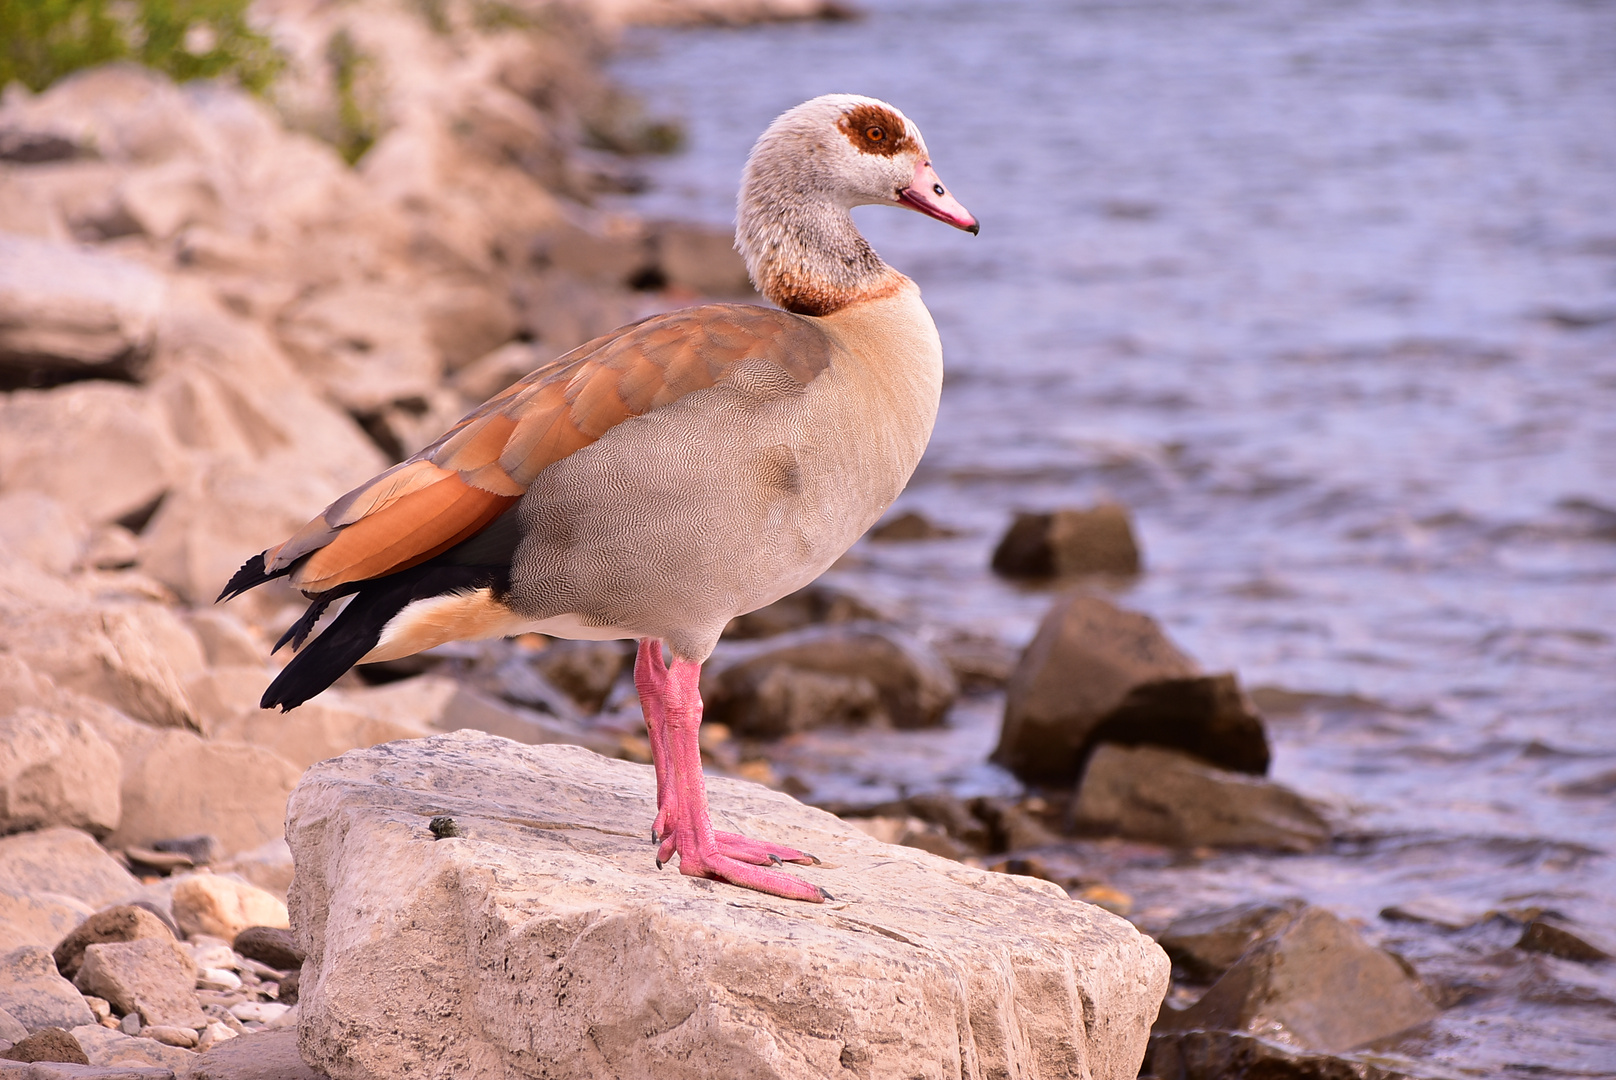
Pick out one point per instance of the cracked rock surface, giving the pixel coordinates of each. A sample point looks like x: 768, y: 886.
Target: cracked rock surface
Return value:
x: 440, y: 957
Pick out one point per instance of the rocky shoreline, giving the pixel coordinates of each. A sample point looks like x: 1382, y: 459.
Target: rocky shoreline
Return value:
x: 211, y: 324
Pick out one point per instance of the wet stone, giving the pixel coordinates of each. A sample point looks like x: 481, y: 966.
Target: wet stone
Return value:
x: 1094, y: 541
x: 1206, y: 945
x: 1220, y: 1055
x: 909, y: 526
x: 1147, y: 793
x: 1086, y: 658
x: 1317, y: 982
x: 815, y: 604
x: 1543, y: 936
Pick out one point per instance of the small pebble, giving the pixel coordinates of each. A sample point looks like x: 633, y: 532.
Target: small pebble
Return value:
x: 215, y: 1033
x: 443, y: 826
x: 217, y: 979
x: 100, y: 1008
x: 130, y: 1024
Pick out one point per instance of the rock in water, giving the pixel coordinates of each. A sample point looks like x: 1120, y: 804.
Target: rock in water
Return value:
x: 1316, y: 984
x: 544, y: 941
x: 1086, y: 658
x: 1171, y: 798
x: 1095, y: 541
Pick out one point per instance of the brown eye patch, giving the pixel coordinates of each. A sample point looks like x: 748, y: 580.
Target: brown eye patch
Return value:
x: 875, y: 130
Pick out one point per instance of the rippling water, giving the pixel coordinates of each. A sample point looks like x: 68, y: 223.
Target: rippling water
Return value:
x: 1326, y: 293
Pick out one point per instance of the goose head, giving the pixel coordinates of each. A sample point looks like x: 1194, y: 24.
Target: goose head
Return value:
x: 812, y: 165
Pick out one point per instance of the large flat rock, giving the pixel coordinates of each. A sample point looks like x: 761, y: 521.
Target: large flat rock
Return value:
x: 543, y: 942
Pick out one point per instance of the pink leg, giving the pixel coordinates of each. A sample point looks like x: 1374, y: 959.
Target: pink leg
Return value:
x: 672, y: 702
x: 651, y: 680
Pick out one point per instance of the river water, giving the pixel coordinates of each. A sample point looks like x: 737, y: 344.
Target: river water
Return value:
x: 1326, y: 294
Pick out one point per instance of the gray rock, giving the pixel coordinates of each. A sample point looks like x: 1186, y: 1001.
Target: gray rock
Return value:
x: 67, y: 313
x: 151, y: 976
x: 909, y: 526
x: 125, y: 922
x: 1148, y: 793
x: 269, y: 945
x: 53, y: 1071
x: 47, y: 1044
x: 585, y: 670
x: 1206, y: 945
x: 1087, y: 656
x: 549, y: 901
x: 262, y: 1055
x: 847, y: 673
x: 1219, y: 1055
x: 812, y: 605
x: 1095, y: 541
x: 35, y: 994
x: 113, y: 1049
x: 1316, y: 984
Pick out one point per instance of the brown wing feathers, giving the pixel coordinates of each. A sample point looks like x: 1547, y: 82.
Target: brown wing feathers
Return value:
x: 460, y: 484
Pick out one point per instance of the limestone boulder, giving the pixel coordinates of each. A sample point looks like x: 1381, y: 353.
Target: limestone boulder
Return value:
x: 366, y: 345
x: 845, y: 673
x: 103, y: 449
x: 30, y: 917
x: 64, y: 861
x: 261, y: 1055
x: 133, y: 655
x: 268, y: 866
x: 35, y: 994
x: 116, y: 1056
x: 178, y: 784
x: 122, y: 922
x: 56, y: 770
x: 11, y: 1029
x: 1148, y: 793
x: 1085, y: 658
x: 433, y: 955
x: 1315, y: 984
x: 151, y: 977
x: 68, y: 313
x: 223, y: 907
x: 35, y: 527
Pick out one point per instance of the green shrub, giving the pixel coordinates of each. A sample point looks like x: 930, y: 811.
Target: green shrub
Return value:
x: 43, y: 40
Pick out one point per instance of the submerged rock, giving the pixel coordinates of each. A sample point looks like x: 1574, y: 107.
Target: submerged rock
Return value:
x: 1095, y: 541
x: 1315, y: 984
x: 1544, y: 936
x: 433, y: 955
x: 810, y: 605
x: 1148, y: 793
x: 1219, y: 1055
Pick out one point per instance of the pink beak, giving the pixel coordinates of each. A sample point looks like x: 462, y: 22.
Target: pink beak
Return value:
x: 928, y: 195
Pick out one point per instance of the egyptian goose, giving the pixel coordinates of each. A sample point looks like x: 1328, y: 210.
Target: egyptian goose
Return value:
x: 658, y: 481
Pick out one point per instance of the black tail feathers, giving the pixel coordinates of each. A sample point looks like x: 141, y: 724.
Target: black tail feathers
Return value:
x: 356, y: 630
x: 251, y: 575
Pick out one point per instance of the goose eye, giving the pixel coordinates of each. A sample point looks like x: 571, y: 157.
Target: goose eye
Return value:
x: 874, y: 133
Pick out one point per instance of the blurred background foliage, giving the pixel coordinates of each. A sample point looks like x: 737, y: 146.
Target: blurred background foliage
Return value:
x: 45, y: 40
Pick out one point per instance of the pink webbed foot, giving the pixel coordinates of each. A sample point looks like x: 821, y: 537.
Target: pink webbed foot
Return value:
x: 741, y: 849
x: 683, y: 826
